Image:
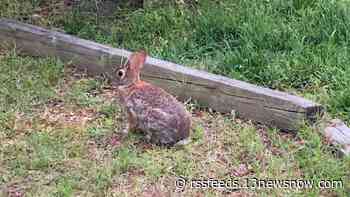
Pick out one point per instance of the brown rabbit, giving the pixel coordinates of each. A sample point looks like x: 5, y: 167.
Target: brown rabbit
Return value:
x: 150, y: 109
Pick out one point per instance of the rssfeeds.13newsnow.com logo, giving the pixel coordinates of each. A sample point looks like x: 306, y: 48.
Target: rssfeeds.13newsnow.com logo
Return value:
x: 182, y: 183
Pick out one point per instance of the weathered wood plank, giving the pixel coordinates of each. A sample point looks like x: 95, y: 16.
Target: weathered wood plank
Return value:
x: 220, y: 93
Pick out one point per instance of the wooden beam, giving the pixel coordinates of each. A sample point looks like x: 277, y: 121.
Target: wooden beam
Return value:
x: 270, y: 107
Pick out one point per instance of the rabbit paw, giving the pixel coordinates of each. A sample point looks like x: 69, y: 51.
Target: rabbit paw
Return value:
x: 125, y: 130
x: 148, y: 138
x: 183, y: 142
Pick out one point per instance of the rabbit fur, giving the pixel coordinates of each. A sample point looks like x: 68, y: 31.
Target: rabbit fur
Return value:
x: 150, y: 109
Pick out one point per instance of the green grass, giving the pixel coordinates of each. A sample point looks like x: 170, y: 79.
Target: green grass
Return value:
x: 300, y: 46
x: 57, y: 132
x: 37, y: 77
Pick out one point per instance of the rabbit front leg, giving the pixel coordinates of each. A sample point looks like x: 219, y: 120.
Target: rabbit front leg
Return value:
x: 132, y: 121
x: 130, y: 124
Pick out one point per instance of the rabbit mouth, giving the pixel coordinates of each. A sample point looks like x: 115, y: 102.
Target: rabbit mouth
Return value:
x: 123, y: 86
x: 118, y: 83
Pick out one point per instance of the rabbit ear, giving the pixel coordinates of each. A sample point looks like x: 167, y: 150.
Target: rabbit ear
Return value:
x: 137, y: 60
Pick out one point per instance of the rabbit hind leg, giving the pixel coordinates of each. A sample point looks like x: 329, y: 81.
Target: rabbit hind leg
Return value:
x: 162, y: 137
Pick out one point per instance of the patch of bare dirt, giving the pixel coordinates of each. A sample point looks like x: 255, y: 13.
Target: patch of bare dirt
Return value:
x: 154, y: 191
x: 262, y: 131
x: 102, y: 150
x: 14, y: 190
x: 59, y: 114
x: 53, y: 7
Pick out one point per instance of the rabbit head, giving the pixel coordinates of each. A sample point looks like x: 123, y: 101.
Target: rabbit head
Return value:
x: 129, y: 74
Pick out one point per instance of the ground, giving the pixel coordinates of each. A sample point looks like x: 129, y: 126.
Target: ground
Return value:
x: 60, y: 130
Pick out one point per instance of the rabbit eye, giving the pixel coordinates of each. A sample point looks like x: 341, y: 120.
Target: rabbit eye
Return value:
x: 120, y: 73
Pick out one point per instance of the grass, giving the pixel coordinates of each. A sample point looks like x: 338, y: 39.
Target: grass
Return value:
x: 58, y: 130
x: 299, y: 46
x: 66, y: 145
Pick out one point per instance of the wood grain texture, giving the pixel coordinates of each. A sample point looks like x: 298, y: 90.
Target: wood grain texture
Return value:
x: 270, y: 107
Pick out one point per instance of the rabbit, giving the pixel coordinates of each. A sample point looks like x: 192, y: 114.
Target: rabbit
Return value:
x: 150, y: 109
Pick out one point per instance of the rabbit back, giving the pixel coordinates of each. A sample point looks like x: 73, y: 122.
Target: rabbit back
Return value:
x: 158, y: 114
